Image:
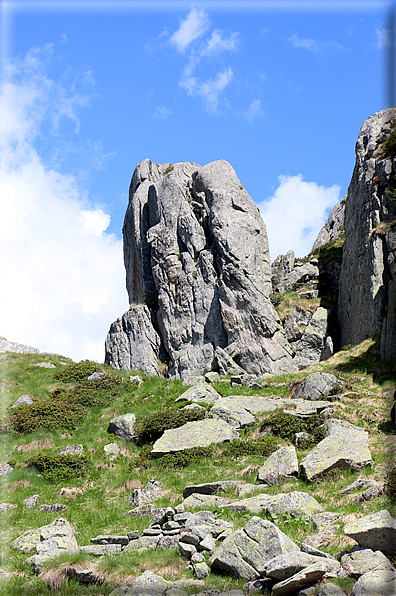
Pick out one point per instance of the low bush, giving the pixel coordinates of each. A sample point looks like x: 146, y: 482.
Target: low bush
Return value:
x: 77, y: 372
x: 286, y: 425
x: 390, y: 485
x: 263, y: 446
x: 182, y: 459
x: 60, y: 467
x: 94, y: 393
x: 44, y: 415
x: 149, y: 428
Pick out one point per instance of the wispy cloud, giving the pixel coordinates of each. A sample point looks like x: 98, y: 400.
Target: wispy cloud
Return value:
x: 219, y: 42
x: 295, y: 213
x: 253, y: 111
x: 192, y: 27
x: 384, y: 38
x: 208, y: 90
x: 161, y: 113
x: 312, y: 45
x: 53, y: 239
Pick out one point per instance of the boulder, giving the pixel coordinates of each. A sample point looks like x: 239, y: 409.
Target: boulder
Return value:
x: 112, y: 450
x: 202, y: 393
x: 239, y: 410
x: 309, y: 575
x: 49, y: 541
x: 5, y: 469
x: 73, y: 449
x: 123, y: 427
x: 316, y: 386
x: 376, y: 531
x: 279, y: 466
x: 381, y: 582
x: 53, y: 508
x: 148, y: 494
x: 7, y: 506
x: 31, y: 502
x: 362, y: 560
x: 196, y: 253
x: 246, y: 552
x: 150, y: 583
x: 200, y: 501
x: 345, y: 447
x: 200, y: 433
x: 23, y: 400
x: 328, y: 589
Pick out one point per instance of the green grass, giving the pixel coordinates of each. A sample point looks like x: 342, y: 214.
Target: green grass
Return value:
x: 97, y: 501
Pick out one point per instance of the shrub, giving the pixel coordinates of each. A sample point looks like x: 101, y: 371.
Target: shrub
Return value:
x: 77, y: 372
x: 170, y: 168
x: 93, y: 393
x: 182, y: 459
x: 390, y: 484
x: 389, y: 147
x: 263, y: 446
x: 45, y: 414
x: 287, y: 425
x: 60, y: 467
x: 276, y: 298
x: 150, y: 428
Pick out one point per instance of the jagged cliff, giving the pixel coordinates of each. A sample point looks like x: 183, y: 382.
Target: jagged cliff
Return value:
x: 198, y: 276
x: 366, y: 304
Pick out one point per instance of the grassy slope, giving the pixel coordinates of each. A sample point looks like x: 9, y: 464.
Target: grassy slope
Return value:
x: 102, y: 496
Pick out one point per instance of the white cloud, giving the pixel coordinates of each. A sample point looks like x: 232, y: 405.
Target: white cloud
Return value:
x: 312, y: 45
x: 161, y: 113
x: 218, y: 42
x: 385, y: 38
x: 192, y: 27
x: 62, y: 274
x: 295, y: 213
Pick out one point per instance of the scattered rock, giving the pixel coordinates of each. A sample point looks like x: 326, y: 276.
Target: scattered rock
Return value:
x: 362, y: 560
x: 136, y: 380
x: 5, y: 469
x: 148, y: 494
x: 11, y: 346
x: 53, y: 508
x: 200, y: 394
x: 296, y: 503
x: 31, y: 502
x: 98, y: 550
x: 73, y: 449
x: 316, y: 386
x: 328, y: 589
x: 209, y: 488
x: 286, y: 565
x: 6, y: 507
x: 381, y: 582
x: 309, y: 575
x: 279, y: 466
x: 96, y: 376
x: 123, y: 427
x: 42, y: 365
x: 112, y: 450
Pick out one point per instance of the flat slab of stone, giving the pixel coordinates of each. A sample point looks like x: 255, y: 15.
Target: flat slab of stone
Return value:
x: 376, y: 531
x: 308, y: 576
x: 201, y: 393
x: 345, y: 447
x: 240, y: 410
x: 296, y: 503
x: 200, y: 433
x: 245, y: 552
x: 209, y: 488
x: 284, y: 566
x: 364, y: 560
x: 279, y: 466
x: 198, y: 501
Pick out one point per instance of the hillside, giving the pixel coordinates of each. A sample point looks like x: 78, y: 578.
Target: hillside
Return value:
x: 96, y: 488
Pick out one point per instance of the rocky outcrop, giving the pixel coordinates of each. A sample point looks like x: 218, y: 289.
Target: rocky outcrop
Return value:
x: 196, y: 254
x: 333, y: 227
x: 366, y: 304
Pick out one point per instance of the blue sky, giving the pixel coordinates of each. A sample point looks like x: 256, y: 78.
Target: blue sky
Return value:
x: 89, y: 89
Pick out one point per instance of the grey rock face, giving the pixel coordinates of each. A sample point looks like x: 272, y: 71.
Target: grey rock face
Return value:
x: 132, y: 342
x: 376, y: 531
x: 196, y: 252
x: 310, y: 347
x: 280, y: 271
x: 345, y: 447
x: 11, y: 346
x: 367, y: 286
x: 331, y: 229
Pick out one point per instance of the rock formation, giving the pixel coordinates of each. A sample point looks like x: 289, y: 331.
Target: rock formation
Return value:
x: 198, y: 275
x: 367, y: 296
x: 332, y: 228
